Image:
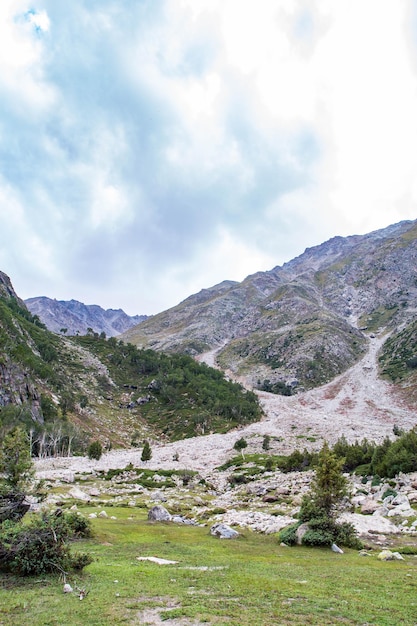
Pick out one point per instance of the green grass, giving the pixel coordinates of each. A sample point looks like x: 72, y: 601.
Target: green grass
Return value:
x: 252, y: 581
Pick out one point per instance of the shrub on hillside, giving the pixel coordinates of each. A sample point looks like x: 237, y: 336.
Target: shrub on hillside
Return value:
x: 40, y: 547
x: 95, y: 450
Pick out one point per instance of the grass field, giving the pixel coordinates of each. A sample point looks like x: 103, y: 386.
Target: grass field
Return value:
x: 249, y: 581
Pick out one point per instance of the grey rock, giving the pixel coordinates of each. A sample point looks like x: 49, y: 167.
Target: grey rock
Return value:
x: 159, y: 513
x: 336, y: 549
x: 223, y: 531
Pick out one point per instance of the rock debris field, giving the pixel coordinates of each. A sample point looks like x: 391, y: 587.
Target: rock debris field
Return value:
x: 357, y: 404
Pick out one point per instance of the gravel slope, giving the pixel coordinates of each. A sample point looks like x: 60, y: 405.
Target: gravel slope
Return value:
x: 357, y: 404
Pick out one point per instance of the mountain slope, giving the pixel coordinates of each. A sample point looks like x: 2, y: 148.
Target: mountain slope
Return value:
x: 302, y: 323
x: 75, y: 318
x: 67, y: 390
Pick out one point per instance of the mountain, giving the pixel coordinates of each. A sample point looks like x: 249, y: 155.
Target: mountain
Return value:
x: 298, y: 325
x: 67, y: 390
x: 77, y: 317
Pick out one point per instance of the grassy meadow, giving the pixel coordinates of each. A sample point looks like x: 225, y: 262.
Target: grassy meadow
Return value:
x: 248, y: 581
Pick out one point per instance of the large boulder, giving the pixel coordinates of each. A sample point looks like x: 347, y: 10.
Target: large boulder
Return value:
x: 223, y: 531
x: 159, y: 513
x: 79, y: 494
x: 301, y: 531
x: 373, y: 524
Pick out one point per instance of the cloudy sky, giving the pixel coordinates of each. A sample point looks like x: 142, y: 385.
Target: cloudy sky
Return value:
x: 152, y: 148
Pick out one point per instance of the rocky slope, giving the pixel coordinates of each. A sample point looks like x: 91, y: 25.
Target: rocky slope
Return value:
x: 75, y: 318
x: 357, y: 405
x: 305, y: 322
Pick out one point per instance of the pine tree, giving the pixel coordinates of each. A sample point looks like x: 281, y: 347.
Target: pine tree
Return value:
x: 146, y: 452
x: 16, y: 466
x: 328, y: 487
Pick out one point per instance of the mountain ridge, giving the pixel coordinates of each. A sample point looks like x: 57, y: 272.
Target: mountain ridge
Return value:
x: 76, y: 318
x: 301, y: 323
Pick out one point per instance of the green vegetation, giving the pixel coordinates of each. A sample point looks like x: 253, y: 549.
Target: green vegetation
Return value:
x: 385, y: 460
x: 95, y: 450
x: 147, y: 393
x: 278, y: 387
x: 43, y: 545
x: 378, y: 318
x: 398, y: 360
x: 320, y: 507
x: 146, y: 452
x: 315, y: 350
x: 173, y: 393
x: 251, y: 581
x: 16, y: 467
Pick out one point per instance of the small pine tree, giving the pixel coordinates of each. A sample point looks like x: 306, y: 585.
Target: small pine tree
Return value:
x: 240, y: 445
x: 16, y: 466
x: 328, y: 488
x: 95, y: 450
x: 266, y: 442
x: 320, y: 507
x: 146, y: 452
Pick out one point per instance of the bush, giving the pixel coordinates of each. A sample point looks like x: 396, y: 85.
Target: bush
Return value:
x: 95, y: 450
x: 289, y: 535
x: 78, y: 525
x: 146, y: 452
x: 317, y: 537
x: 324, y: 531
x: 39, y: 547
x: 240, y: 444
x: 389, y: 492
x: 266, y: 442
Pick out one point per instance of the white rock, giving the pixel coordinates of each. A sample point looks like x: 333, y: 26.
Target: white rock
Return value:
x: 79, y: 494
x: 336, y: 549
x: 370, y: 523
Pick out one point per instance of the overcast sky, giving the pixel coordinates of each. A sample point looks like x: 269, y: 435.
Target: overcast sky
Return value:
x: 152, y: 148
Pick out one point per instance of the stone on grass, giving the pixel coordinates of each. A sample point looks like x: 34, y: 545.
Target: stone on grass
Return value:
x: 102, y: 514
x: 79, y: 494
x: 159, y: 513
x: 223, y: 531
x: 336, y: 549
x: 387, y: 555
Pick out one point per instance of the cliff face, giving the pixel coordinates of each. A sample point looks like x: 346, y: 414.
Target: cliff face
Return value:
x: 6, y: 289
x: 302, y: 323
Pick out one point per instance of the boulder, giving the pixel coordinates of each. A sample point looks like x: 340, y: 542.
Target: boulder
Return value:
x: 223, y: 531
x: 159, y: 513
x: 387, y: 555
x: 301, y: 531
x: 373, y: 524
x: 79, y: 494
x: 369, y: 506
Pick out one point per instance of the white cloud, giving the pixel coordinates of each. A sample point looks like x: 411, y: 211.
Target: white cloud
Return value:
x: 21, y: 57
x: 189, y: 141
x: 40, y: 20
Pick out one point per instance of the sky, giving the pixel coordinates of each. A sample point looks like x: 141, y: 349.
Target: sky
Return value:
x: 153, y: 148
